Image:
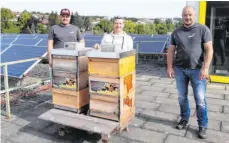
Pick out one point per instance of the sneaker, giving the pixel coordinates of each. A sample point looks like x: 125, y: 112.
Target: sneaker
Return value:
x: 202, y: 133
x: 182, y: 124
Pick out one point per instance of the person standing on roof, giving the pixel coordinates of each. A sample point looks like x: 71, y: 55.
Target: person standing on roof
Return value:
x: 194, y: 51
x: 63, y: 32
x: 117, y: 36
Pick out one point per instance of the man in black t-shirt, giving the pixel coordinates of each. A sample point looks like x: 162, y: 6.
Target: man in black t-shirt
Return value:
x: 193, y: 45
x: 63, y: 32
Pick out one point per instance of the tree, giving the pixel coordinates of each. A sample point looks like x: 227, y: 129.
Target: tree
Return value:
x: 42, y: 29
x: 152, y: 28
x: 170, y: 27
x: 57, y: 19
x: 77, y: 20
x: 106, y: 26
x: 129, y: 26
x: 87, y: 23
x: 168, y: 21
x: 178, y: 24
x: 26, y: 30
x: 157, y: 21
x: 140, y: 29
x: 161, y: 28
x: 6, y: 15
x: 53, y: 19
x: 97, y: 30
x: 23, y: 19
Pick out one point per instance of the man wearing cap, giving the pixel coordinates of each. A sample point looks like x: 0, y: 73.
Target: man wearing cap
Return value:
x: 63, y: 32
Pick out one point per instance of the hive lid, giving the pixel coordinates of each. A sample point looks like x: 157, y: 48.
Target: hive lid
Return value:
x: 112, y: 55
x: 70, y: 52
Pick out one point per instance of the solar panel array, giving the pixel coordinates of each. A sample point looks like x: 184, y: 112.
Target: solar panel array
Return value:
x: 151, y: 44
x: 16, y: 47
x: 24, y: 46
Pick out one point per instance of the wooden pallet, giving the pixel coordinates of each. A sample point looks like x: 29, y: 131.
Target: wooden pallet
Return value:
x: 91, y: 124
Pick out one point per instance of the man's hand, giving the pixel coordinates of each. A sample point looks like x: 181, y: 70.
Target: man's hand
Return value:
x: 204, y: 74
x: 170, y: 72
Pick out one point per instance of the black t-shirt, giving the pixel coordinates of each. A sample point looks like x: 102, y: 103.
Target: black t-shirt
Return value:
x: 188, y: 44
x: 64, y: 33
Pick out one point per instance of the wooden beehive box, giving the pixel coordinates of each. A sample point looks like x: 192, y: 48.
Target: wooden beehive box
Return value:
x: 70, y: 79
x: 111, y: 64
x: 112, y: 86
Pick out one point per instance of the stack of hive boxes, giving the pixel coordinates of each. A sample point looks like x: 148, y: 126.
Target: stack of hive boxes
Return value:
x: 112, y: 85
x: 70, y: 79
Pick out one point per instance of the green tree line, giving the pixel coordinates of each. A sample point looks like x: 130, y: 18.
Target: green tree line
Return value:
x: 158, y: 27
x: 27, y: 23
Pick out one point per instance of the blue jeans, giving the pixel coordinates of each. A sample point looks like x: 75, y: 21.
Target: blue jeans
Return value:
x: 183, y: 76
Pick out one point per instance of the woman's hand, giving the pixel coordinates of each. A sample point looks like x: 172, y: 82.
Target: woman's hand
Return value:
x: 96, y: 46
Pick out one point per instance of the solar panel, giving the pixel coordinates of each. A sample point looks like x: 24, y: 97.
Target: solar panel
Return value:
x: 44, y: 42
x: 159, y: 39
x: 137, y: 35
x: 7, y: 40
x: 9, y: 35
x: 26, y: 36
x: 135, y: 45
x: 93, y: 37
x: 41, y: 36
x: 151, y: 47
x: 91, y: 43
x: 27, y: 42
x: 18, y: 52
x: 161, y: 36
x: 4, y: 46
x: 143, y: 38
x: 18, y: 70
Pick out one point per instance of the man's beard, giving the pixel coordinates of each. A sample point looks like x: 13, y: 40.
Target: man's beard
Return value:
x: 188, y: 25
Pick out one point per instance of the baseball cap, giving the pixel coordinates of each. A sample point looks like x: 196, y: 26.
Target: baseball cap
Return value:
x: 65, y: 11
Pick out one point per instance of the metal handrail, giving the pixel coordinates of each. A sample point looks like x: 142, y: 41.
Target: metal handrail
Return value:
x: 6, y: 83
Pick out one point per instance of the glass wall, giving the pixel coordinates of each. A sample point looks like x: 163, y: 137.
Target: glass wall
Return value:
x: 217, y: 19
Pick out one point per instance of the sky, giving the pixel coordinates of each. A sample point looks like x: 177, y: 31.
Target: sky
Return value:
x: 110, y: 8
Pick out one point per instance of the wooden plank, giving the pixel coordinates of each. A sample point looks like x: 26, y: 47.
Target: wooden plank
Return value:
x: 103, y: 60
x: 127, y: 98
x: 63, y: 91
x: 64, y: 74
x: 98, y: 78
x: 127, y: 65
x: 104, y: 115
x: 105, y: 98
x: 83, y: 97
x: 102, y: 106
x: 83, y: 80
x: 65, y: 100
x: 83, y: 63
x: 66, y: 108
x: 64, y: 65
x: 104, y: 67
x: 79, y: 121
x: 64, y: 57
